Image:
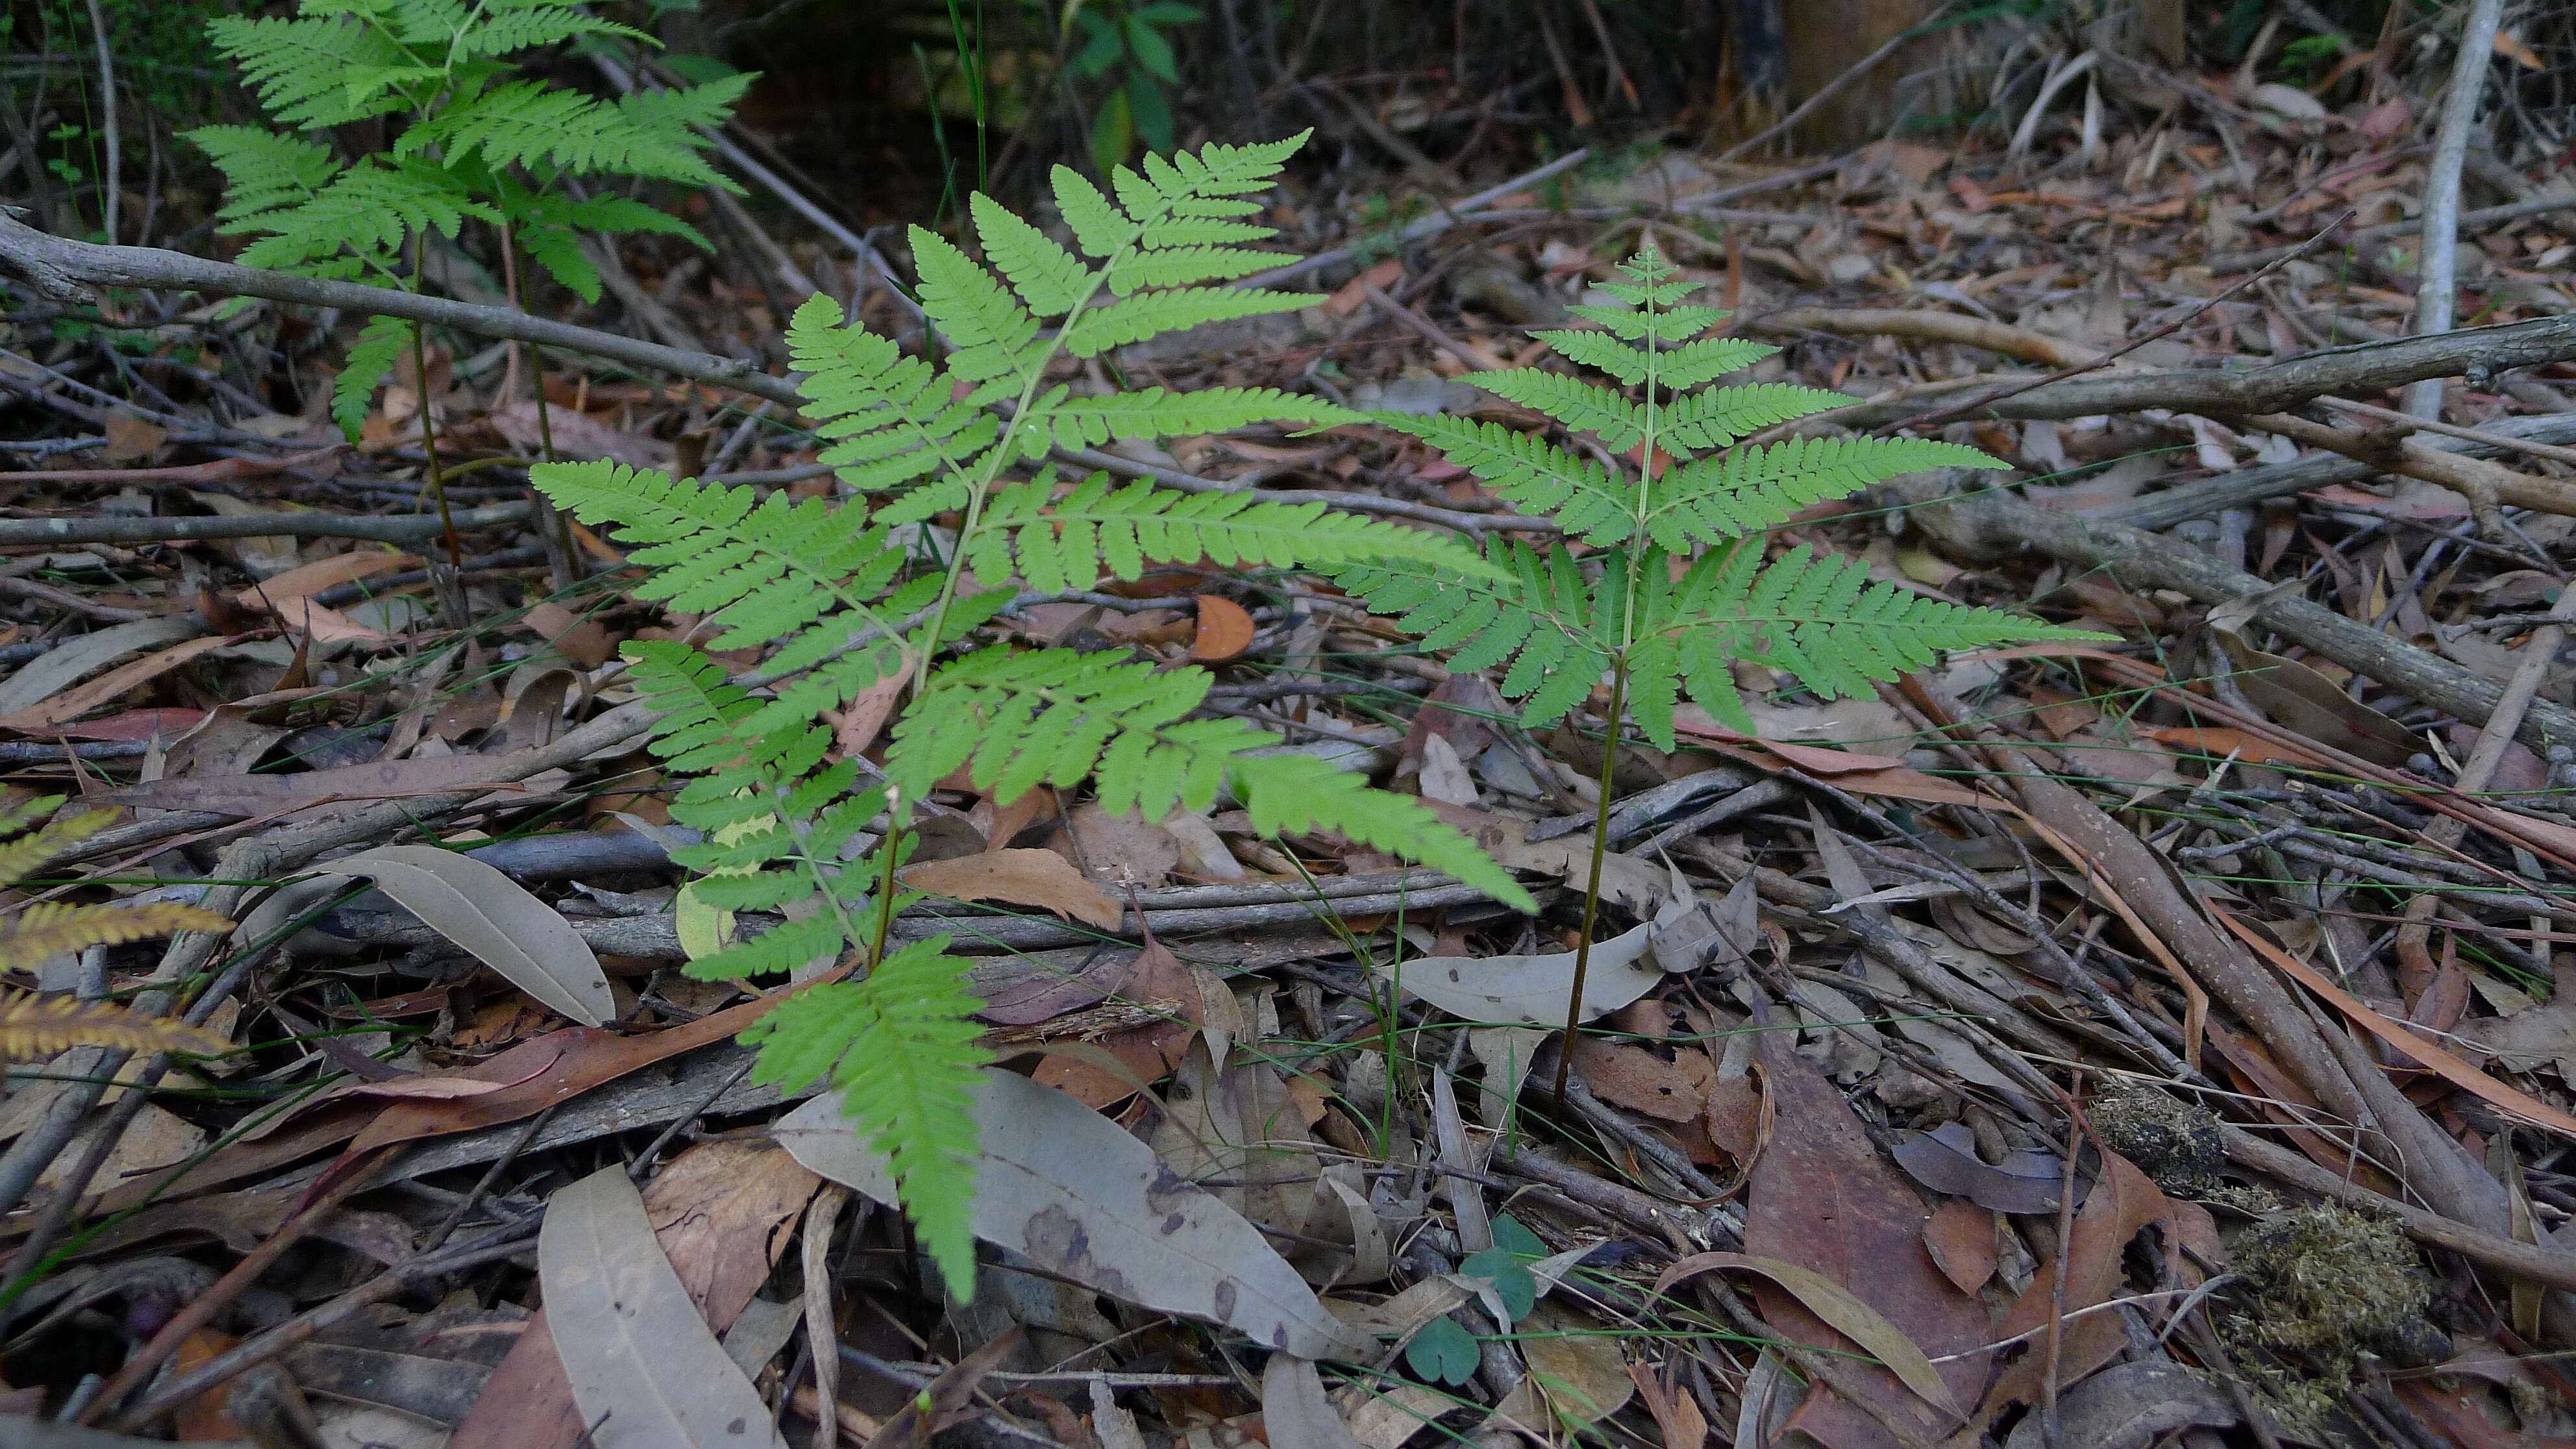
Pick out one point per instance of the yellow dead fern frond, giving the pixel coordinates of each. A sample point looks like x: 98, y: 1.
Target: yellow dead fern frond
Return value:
x: 38, y: 1026
x: 40, y: 932
x: 20, y: 859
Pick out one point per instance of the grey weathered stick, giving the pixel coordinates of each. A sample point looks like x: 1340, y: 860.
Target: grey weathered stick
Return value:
x: 2250, y: 486
x: 2275, y: 387
x: 64, y: 271
x: 396, y: 528
x: 2437, y: 286
x: 1992, y: 523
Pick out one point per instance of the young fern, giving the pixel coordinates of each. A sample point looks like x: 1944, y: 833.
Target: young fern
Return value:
x: 481, y: 146
x: 1562, y: 623
x: 845, y: 600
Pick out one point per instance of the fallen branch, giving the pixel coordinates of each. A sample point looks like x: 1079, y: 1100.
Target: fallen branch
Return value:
x: 63, y: 271
x: 396, y: 528
x: 1431, y: 226
x: 2524, y: 446
x: 2437, y: 261
x: 2251, y: 486
x: 217, y: 470
x: 2002, y: 337
x: 1991, y: 523
x: 2487, y: 484
x: 2475, y: 353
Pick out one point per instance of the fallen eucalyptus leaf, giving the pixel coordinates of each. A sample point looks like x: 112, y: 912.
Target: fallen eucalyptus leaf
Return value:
x: 1062, y: 1186
x: 1294, y: 1412
x: 1531, y: 990
x: 643, y: 1365
x: 1838, y: 1306
x: 478, y: 908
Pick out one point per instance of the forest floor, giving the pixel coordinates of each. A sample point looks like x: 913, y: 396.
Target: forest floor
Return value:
x: 2152, y: 1041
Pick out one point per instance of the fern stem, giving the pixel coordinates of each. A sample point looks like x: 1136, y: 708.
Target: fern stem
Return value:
x: 886, y: 882
x: 552, y: 529
x: 1592, y: 886
x: 429, y: 430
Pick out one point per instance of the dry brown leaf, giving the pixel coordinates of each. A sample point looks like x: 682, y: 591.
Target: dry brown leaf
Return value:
x: 1822, y: 1199
x: 1836, y: 1305
x: 2121, y: 1204
x: 1640, y: 1081
x: 1961, y: 1239
x: 107, y: 688
x: 1225, y: 630
x: 1039, y: 878
x: 582, y: 640
x: 1677, y: 1414
x: 130, y: 439
x: 305, y: 580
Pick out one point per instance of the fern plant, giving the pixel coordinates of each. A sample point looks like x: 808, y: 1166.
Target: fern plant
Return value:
x: 877, y: 592
x: 37, y: 1026
x: 1672, y: 588
x: 481, y: 143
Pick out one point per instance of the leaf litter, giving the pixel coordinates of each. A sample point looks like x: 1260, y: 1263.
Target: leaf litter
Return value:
x: 1856, y: 971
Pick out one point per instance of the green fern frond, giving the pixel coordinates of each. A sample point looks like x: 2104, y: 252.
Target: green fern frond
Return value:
x: 380, y: 345
x: 771, y: 569
x: 1693, y: 363
x: 1178, y: 223
x: 1537, y: 613
x: 1534, y: 475
x: 1065, y: 544
x: 548, y: 225
x: 264, y: 171
x: 303, y: 68
x: 1586, y: 407
x: 1149, y: 314
x: 1016, y: 722
x: 992, y: 335
x: 1296, y: 793
x: 1051, y: 280
x: 515, y: 25
x: 1820, y: 619
x: 1715, y: 417
x: 367, y: 209
x: 901, y: 1047
x: 525, y: 122
x: 892, y: 418
x: 701, y: 107
x: 1663, y: 324
x: 1752, y: 489
x: 1085, y: 422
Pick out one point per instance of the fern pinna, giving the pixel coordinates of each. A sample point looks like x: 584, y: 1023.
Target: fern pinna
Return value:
x: 481, y: 145
x: 1672, y: 588
x: 853, y: 596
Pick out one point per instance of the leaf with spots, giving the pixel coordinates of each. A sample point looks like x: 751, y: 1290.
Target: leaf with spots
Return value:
x: 1064, y: 1187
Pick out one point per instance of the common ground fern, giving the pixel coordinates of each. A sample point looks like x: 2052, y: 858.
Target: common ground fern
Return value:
x: 1671, y: 590
x: 480, y: 144
x: 954, y: 511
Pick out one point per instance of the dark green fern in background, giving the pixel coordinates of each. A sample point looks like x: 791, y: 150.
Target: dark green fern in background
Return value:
x: 478, y: 142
